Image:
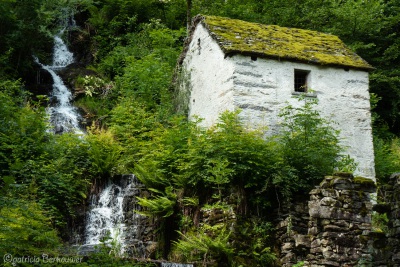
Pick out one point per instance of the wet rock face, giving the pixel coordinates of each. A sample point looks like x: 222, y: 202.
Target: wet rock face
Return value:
x: 136, y: 232
x: 140, y: 230
x: 333, y: 229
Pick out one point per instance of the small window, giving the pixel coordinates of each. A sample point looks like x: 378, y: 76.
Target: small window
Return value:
x: 301, y: 80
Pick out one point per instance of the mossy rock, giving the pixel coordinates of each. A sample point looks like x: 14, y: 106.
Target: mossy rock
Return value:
x: 344, y: 174
x: 364, y: 184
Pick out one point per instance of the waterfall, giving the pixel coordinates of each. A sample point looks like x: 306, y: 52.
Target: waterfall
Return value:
x: 171, y: 264
x: 63, y: 116
x: 111, y: 219
x: 106, y: 217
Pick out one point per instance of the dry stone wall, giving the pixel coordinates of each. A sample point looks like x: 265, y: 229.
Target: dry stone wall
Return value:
x: 292, y: 233
x: 334, y: 229
x: 340, y: 222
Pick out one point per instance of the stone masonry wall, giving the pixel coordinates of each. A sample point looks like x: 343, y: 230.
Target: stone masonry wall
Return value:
x: 338, y: 230
x: 292, y: 233
x: 340, y: 222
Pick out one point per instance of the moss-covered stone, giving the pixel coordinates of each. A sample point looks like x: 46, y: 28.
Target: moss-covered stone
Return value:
x: 271, y: 41
x: 364, y: 184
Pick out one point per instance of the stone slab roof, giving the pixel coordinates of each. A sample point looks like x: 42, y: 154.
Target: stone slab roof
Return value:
x: 271, y: 41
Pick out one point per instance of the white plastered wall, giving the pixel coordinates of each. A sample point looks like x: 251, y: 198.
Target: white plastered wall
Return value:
x: 262, y: 87
x: 210, y: 77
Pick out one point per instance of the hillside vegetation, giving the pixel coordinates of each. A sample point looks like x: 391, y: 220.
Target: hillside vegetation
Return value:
x: 127, y: 52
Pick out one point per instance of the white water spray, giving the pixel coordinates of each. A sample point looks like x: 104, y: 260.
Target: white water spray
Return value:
x: 172, y: 264
x: 106, y: 220
x: 63, y: 116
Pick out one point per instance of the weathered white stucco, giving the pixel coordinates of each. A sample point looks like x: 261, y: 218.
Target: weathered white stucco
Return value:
x: 262, y: 87
x: 210, y: 78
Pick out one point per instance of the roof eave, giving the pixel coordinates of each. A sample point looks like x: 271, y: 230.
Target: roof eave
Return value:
x: 230, y: 53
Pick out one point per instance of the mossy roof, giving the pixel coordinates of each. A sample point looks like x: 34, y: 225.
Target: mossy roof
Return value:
x: 271, y: 41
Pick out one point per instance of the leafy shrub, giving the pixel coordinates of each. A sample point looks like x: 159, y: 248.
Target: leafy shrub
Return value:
x: 251, y: 239
x: 25, y: 228
x: 204, y: 160
x: 310, y: 147
x: 387, y: 158
x: 380, y: 222
x: 162, y: 206
x: 92, y: 85
x: 206, y: 243
x: 146, y: 79
x: 104, y: 152
x: 63, y: 176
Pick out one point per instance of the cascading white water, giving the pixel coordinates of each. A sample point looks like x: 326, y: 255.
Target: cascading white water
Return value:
x: 106, y: 217
x: 63, y: 115
x: 107, y: 221
x: 172, y: 264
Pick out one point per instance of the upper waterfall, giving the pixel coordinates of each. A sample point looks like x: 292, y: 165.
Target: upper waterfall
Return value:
x: 64, y: 117
x: 62, y: 57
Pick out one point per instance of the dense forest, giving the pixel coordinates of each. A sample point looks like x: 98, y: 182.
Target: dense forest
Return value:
x: 123, y: 81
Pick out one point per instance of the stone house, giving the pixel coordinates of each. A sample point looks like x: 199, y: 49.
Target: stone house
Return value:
x: 229, y: 64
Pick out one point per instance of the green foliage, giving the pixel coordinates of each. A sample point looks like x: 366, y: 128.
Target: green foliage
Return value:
x: 187, y: 156
x: 92, y: 85
x: 206, y: 243
x: 185, y: 162
x: 25, y: 229
x: 114, y: 20
x: 387, y: 158
x: 105, y: 255
x: 133, y: 125
x: 310, y: 147
x: 22, y: 131
x: 62, y: 176
x: 251, y: 241
x: 145, y: 79
x: 380, y: 222
x: 162, y: 206
x: 24, y: 31
x: 104, y: 152
x: 35, y: 164
x: 135, y: 44
x: 95, y: 109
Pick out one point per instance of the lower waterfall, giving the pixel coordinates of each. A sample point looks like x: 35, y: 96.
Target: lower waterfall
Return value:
x: 111, y: 219
x: 172, y: 264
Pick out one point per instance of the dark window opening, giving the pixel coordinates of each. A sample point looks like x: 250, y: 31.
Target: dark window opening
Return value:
x: 301, y: 80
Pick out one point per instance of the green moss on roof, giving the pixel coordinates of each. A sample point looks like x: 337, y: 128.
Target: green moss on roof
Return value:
x: 236, y: 36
